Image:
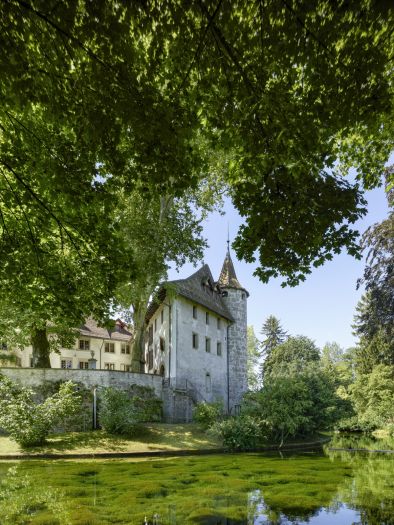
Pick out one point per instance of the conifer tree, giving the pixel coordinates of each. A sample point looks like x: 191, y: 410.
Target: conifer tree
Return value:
x: 274, y: 335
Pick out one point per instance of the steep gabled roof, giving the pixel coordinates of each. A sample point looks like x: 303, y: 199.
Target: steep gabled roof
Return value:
x: 199, y: 288
x: 228, y: 277
x: 91, y: 329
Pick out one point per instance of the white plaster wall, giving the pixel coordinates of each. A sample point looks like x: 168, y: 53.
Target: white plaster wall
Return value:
x: 75, y: 355
x: 160, y: 329
x: 193, y: 364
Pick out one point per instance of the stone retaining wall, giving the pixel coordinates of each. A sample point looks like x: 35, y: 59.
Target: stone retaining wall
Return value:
x: 33, y: 377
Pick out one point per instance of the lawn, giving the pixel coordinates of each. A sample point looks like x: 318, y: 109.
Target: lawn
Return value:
x: 156, y: 437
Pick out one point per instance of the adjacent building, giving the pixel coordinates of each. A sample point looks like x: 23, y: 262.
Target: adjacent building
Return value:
x: 95, y: 347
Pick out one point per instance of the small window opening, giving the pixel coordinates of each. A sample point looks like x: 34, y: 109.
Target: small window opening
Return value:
x: 195, y: 340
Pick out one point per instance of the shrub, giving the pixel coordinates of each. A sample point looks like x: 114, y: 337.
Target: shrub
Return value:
x: 123, y: 413
x: 390, y: 429
x: 206, y: 414
x: 239, y: 433
x: 354, y: 424
x: 28, y: 422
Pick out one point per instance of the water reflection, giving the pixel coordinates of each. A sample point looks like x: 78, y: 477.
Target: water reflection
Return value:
x: 340, y: 488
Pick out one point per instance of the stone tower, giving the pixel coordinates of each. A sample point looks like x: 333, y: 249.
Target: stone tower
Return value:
x: 235, y: 298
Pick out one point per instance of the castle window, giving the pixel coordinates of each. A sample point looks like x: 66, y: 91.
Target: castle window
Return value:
x: 150, y: 335
x: 194, y: 312
x: 162, y: 317
x: 109, y: 348
x: 162, y: 344
x: 243, y: 296
x: 219, y: 323
x: 207, y: 382
x: 83, y: 365
x: 195, y: 340
x: 207, y: 344
x: 150, y: 359
x: 155, y: 325
x: 125, y: 348
x: 219, y: 348
x: 206, y: 317
x: 84, y: 344
x: 125, y: 368
x: 109, y: 366
x: 66, y: 363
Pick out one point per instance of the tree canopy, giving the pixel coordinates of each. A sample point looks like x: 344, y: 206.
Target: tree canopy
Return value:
x: 294, y: 355
x: 283, y: 89
x: 374, y: 320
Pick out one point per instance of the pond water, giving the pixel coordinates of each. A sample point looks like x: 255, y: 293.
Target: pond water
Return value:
x: 318, y: 488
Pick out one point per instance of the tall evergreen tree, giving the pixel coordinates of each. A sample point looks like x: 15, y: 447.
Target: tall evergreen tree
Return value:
x: 274, y: 335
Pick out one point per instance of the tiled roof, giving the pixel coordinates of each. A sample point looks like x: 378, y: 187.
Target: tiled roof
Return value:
x: 119, y: 333
x: 228, y: 277
x: 199, y: 288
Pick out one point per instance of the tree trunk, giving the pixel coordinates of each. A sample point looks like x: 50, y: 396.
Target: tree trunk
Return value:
x: 141, y: 301
x: 40, y: 343
x: 138, y: 347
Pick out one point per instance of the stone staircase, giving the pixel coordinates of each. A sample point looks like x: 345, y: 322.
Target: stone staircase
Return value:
x: 179, y: 398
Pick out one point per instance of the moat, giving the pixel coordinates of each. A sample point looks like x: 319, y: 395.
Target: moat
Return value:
x: 320, y: 487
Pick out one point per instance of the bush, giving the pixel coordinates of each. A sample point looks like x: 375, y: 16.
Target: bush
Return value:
x: 354, y: 424
x: 239, y: 433
x: 206, y: 414
x: 29, y: 423
x: 390, y: 429
x: 123, y: 413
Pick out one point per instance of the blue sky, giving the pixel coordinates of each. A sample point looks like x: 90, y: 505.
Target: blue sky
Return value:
x: 321, y: 308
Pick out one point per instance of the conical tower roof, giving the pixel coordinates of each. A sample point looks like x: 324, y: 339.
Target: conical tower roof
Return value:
x: 228, y: 277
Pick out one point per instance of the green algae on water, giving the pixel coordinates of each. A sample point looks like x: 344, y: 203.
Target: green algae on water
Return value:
x: 225, y: 488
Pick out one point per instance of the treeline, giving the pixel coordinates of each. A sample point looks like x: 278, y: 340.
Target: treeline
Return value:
x: 299, y: 389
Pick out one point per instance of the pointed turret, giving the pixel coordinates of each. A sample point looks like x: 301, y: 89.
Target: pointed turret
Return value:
x: 234, y: 296
x: 228, y: 277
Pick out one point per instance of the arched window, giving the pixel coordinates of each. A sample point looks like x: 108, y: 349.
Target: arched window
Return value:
x: 162, y: 370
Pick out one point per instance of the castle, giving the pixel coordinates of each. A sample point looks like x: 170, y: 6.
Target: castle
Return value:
x: 197, y: 336
x: 195, y: 346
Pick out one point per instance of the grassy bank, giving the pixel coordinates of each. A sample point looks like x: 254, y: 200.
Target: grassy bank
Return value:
x: 156, y: 437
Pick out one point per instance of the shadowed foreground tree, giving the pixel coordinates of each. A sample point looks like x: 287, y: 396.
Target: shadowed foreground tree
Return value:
x: 287, y: 88
x: 103, y: 95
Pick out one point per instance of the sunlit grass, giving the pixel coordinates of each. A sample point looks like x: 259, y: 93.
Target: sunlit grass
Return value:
x: 156, y: 437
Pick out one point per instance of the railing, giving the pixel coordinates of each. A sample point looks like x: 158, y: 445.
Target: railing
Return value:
x: 186, y: 386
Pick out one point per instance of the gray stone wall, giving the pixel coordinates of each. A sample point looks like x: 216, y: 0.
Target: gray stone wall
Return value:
x: 32, y: 377
x: 236, y: 302
x: 205, y: 372
x: 177, y: 406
